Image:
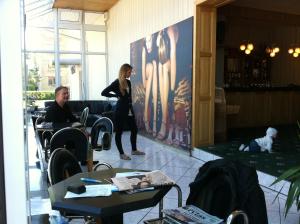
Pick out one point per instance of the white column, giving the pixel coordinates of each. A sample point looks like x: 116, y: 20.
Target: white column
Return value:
x: 12, y: 111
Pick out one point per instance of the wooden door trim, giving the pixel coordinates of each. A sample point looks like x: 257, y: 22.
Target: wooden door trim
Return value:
x: 199, y: 54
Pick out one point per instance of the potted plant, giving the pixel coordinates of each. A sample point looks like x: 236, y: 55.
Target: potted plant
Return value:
x: 292, y: 175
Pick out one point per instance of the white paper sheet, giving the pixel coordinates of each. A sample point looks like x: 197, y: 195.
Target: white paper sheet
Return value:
x: 93, y: 191
x: 129, y: 174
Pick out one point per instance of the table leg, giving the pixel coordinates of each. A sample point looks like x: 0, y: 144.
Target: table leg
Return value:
x: 116, y: 219
x: 98, y: 221
x: 90, y: 160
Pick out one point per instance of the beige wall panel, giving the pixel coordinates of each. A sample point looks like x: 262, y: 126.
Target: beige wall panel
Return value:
x: 263, y: 108
x: 205, y: 72
x: 205, y: 29
x: 204, y: 108
x: 204, y: 75
x: 131, y: 20
x: 280, y: 105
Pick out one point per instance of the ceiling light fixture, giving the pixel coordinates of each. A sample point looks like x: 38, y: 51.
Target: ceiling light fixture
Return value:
x: 247, y: 47
x: 272, y: 51
x: 294, y: 51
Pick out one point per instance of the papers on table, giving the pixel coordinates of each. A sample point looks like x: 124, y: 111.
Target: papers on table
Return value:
x: 140, y: 180
x: 93, y: 191
x: 129, y: 174
x: 132, y: 174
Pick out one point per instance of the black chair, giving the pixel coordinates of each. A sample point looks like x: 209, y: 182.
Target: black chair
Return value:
x: 103, y: 129
x: 102, y: 166
x: 72, y: 139
x: 84, y: 115
x: 44, y: 136
x: 62, y: 164
x: 39, y: 120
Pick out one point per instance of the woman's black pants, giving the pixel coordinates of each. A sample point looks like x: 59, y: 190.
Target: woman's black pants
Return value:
x: 120, y: 122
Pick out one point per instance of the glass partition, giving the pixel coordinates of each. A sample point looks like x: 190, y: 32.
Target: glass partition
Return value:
x: 96, y: 74
x: 71, y: 75
x: 40, y: 79
x: 39, y: 39
x: 94, y: 18
x: 69, y: 40
x: 95, y: 41
x: 63, y: 47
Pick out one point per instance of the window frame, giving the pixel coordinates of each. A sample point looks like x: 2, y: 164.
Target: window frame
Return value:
x: 80, y: 25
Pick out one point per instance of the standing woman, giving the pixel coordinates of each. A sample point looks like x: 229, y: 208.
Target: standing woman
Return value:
x: 121, y: 89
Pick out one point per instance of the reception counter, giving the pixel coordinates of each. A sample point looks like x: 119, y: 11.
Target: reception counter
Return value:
x: 263, y: 106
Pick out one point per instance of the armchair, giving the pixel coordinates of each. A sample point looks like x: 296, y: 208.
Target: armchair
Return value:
x: 72, y: 139
x: 102, y: 128
x: 62, y: 164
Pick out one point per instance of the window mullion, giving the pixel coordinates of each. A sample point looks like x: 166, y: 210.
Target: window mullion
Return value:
x: 56, y: 55
x: 84, y: 82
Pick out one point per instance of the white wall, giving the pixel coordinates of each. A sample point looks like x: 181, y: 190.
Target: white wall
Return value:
x: 131, y: 20
x: 12, y: 111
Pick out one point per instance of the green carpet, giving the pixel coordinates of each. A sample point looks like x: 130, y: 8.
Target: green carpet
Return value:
x: 286, y: 149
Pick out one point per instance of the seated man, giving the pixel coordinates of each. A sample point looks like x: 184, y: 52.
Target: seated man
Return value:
x: 59, y: 111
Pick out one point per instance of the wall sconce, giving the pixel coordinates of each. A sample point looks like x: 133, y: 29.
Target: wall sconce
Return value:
x: 247, y: 48
x: 272, y: 51
x: 294, y: 51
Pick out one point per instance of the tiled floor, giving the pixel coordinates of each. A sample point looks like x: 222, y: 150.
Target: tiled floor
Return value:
x: 175, y: 163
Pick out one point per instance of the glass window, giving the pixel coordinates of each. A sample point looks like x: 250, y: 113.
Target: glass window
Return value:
x: 96, y: 76
x: 39, y: 38
x: 94, y: 18
x: 45, y: 20
x: 95, y: 41
x: 71, y: 75
x: 70, y: 16
x: 40, y: 69
x: 69, y: 40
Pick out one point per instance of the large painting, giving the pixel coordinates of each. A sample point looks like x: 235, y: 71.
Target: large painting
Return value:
x: 161, y: 84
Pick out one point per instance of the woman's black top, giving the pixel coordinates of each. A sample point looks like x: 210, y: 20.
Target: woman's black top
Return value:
x: 124, y: 103
x: 58, y: 114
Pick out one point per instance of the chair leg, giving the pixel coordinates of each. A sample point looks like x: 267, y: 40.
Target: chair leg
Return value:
x: 107, y: 165
x: 236, y: 213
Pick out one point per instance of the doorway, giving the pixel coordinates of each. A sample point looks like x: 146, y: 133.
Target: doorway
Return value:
x: 249, y: 87
x: 205, y: 22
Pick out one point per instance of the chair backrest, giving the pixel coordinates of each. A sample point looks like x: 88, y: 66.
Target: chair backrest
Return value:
x: 102, y: 166
x: 84, y: 115
x: 62, y: 164
x: 44, y: 136
x: 72, y: 139
x: 102, y: 128
x: 38, y: 120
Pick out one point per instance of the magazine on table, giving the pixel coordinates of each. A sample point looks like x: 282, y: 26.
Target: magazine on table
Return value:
x: 144, y: 180
x: 190, y: 215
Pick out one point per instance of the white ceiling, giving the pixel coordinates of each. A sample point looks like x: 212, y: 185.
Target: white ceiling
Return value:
x: 284, y: 6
